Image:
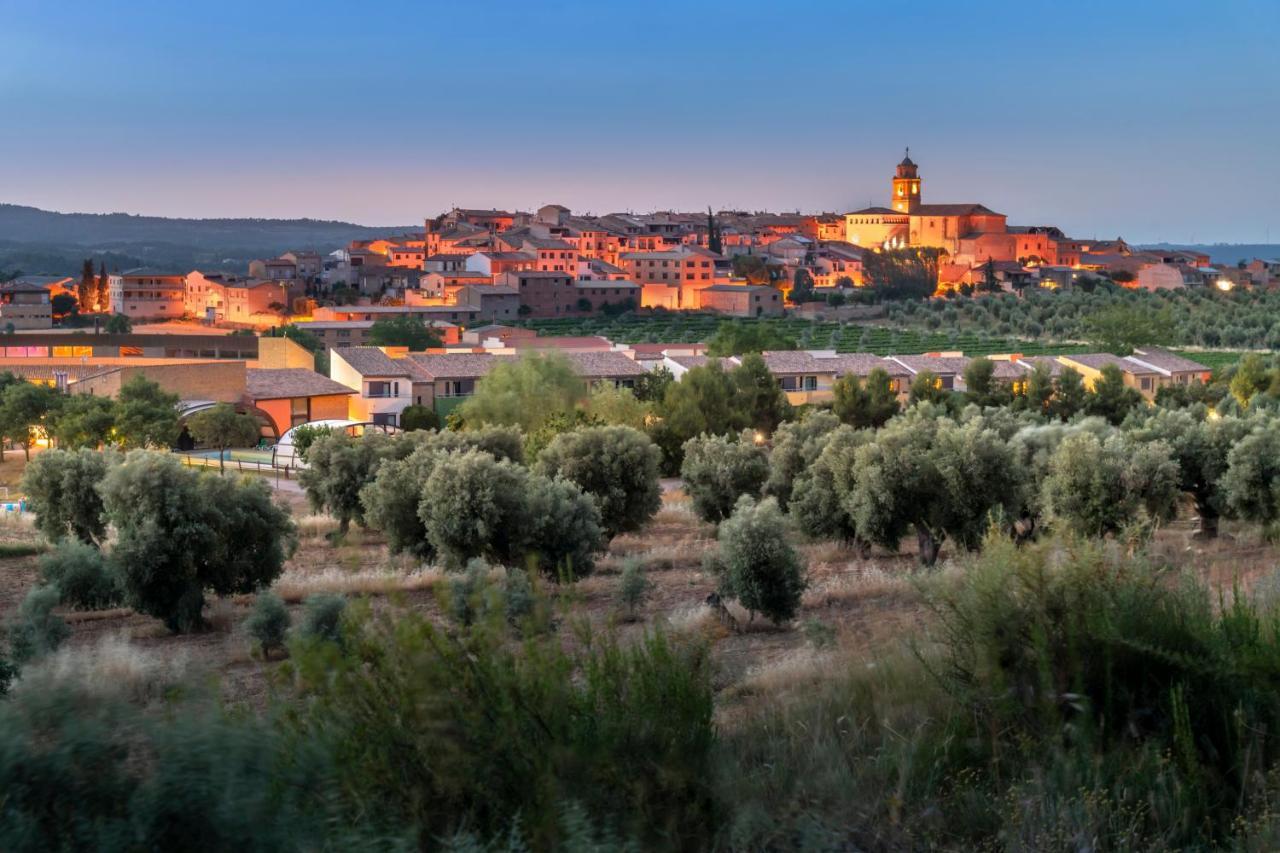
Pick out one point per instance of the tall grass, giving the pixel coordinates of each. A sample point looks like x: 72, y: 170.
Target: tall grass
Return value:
x: 1068, y: 697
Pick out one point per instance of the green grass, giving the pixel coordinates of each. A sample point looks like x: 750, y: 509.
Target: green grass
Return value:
x: 9, y: 550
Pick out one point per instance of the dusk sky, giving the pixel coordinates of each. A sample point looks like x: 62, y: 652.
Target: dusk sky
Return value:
x: 1150, y: 120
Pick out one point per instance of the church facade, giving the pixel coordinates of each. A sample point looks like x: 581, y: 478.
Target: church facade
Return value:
x: 970, y: 234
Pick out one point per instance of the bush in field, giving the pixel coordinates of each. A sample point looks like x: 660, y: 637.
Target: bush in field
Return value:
x: 564, y: 530
x: 1252, y: 480
x: 928, y: 473
x: 795, y: 446
x: 761, y: 568
x: 182, y: 531
x: 633, y: 588
x: 338, y: 467
x: 268, y: 622
x: 622, y: 730
x: 475, y: 506
x: 617, y: 465
x: 718, y: 470
x: 1096, y: 487
x: 322, y: 617
x: 82, y: 577
x: 35, y: 630
x: 62, y: 490
x: 500, y: 442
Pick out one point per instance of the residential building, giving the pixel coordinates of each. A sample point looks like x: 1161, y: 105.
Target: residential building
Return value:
x: 542, y: 293
x: 25, y: 305
x: 382, y: 384
x: 147, y: 294
x: 741, y: 300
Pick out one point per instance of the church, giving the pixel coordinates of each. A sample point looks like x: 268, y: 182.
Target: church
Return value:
x: 970, y: 234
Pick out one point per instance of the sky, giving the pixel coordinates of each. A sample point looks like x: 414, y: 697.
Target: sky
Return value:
x: 1152, y: 121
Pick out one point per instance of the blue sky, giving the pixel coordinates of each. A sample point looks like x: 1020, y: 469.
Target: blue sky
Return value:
x: 1155, y: 121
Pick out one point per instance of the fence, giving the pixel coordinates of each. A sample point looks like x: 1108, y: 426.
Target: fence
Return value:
x: 198, y: 460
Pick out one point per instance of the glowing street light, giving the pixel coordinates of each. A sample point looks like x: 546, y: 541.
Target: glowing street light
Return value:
x: 1224, y: 284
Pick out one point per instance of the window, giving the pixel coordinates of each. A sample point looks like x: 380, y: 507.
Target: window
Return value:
x: 811, y: 383
x: 384, y: 418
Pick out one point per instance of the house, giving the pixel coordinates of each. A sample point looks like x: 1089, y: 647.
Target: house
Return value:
x: 25, y: 305
x: 296, y: 395
x: 445, y: 285
x: 741, y: 300
x: 679, y: 365
x: 596, y: 295
x: 948, y: 367
x: 147, y: 294
x: 493, y: 302
x: 383, y: 385
x: 218, y: 297
x: 1147, y: 370
x: 809, y: 376
x: 338, y: 333
x: 463, y: 314
x: 308, y: 265
x: 494, y: 264
x: 276, y: 269
x: 671, y: 278
x: 543, y: 293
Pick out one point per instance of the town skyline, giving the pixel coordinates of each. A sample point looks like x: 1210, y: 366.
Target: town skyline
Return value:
x: 1119, y: 124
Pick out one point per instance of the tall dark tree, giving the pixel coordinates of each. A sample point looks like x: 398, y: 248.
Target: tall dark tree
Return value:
x: 714, y: 241
x: 990, y: 284
x: 88, y: 287
x: 101, y: 290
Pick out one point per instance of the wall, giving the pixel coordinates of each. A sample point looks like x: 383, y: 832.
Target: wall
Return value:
x: 223, y: 382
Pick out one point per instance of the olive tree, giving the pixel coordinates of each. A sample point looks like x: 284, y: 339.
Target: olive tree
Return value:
x: 473, y: 505
x: 761, y: 569
x: 717, y: 470
x: 866, y: 402
x: 181, y: 532
x: 1252, y: 480
x: 617, y: 465
x: 1201, y: 448
x: 565, y: 531
x: 338, y: 467
x: 62, y: 490
x: 820, y: 502
x: 795, y: 446
x: 1095, y: 487
x: 928, y: 473
x: 391, y: 499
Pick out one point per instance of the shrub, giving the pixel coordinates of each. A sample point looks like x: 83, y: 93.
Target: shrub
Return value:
x: 633, y: 587
x: 625, y: 731
x: 36, y: 630
x: 82, y: 577
x: 761, y: 568
x: 475, y: 506
x: 820, y: 501
x: 268, y: 622
x: 322, y: 617
x: 617, y: 465
x: 62, y: 490
x: 418, y: 418
x: 564, y: 532
x: 718, y: 470
x: 391, y: 501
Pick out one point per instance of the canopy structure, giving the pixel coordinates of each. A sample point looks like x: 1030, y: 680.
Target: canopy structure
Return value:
x: 284, y: 455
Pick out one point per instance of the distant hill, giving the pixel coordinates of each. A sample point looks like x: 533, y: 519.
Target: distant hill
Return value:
x: 41, y: 241
x: 1225, y: 253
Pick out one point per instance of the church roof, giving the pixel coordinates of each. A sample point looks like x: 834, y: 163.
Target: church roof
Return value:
x: 876, y: 211
x: 954, y: 210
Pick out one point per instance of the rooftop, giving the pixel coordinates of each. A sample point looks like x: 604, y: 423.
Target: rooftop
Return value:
x: 278, y: 383
x: 371, y: 361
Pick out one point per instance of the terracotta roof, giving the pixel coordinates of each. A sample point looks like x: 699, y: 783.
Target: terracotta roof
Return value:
x: 954, y: 210
x: 876, y: 211
x: 1099, y: 360
x: 277, y: 383
x: 603, y: 365
x: 803, y: 361
x: 452, y: 366
x: 938, y: 365
x: 371, y: 361
x: 1165, y: 360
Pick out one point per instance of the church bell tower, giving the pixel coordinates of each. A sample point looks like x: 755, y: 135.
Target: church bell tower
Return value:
x: 906, y: 186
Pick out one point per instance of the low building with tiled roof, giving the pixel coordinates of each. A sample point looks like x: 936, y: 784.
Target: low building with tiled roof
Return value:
x: 295, y: 395
x: 1146, y: 371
